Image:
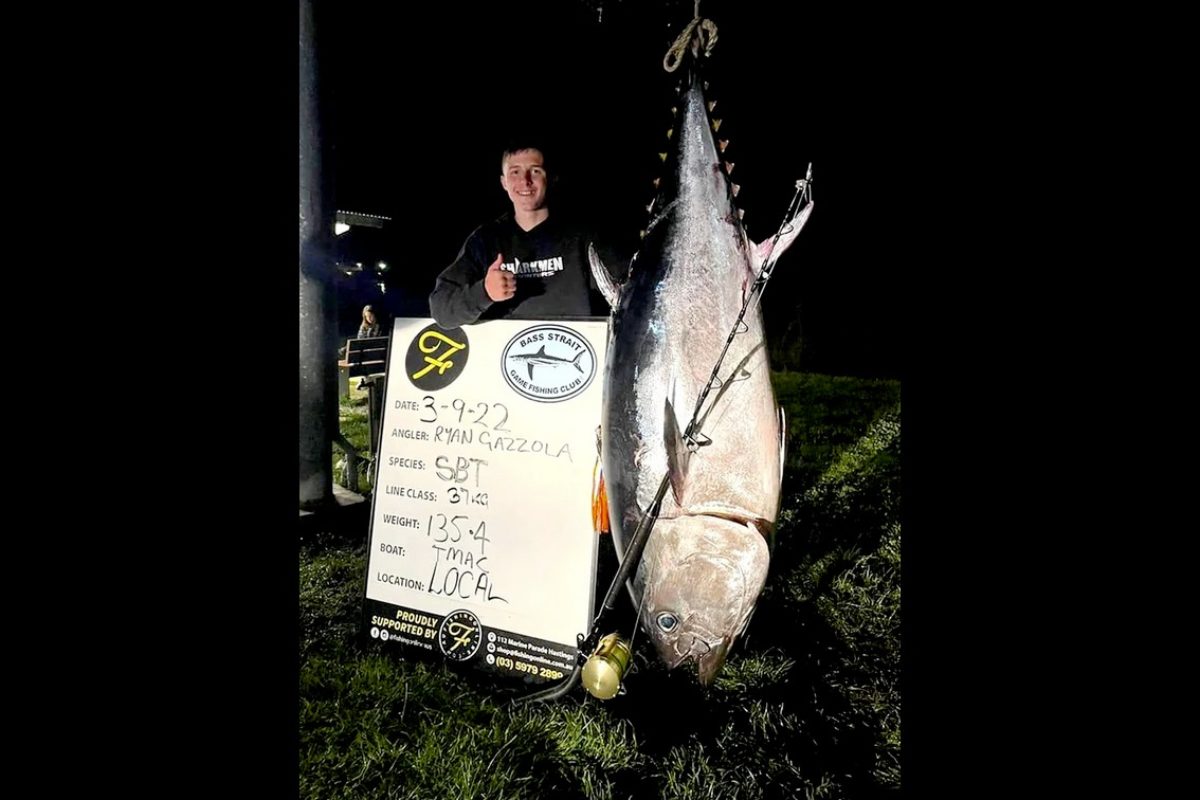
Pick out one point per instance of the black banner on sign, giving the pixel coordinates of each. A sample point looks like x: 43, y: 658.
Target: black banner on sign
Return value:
x: 459, y: 636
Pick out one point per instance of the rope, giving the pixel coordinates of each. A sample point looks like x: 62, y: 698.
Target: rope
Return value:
x: 698, y: 33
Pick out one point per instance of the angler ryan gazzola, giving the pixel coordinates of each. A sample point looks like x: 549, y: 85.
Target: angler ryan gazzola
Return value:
x: 525, y: 264
x: 509, y: 444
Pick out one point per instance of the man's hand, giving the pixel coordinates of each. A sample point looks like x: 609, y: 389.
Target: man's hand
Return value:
x: 498, y: 283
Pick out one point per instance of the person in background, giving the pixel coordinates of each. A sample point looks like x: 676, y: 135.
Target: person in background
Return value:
x: 370, y: 325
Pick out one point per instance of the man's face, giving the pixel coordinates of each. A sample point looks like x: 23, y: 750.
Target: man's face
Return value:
x: 523, y: 176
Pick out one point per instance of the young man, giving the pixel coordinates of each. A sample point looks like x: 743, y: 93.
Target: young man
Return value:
x: 525, y: 264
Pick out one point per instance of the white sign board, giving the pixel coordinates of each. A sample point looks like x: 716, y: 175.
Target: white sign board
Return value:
x: 481, y: 546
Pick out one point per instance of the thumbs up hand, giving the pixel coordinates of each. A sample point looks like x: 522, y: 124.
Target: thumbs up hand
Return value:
x: 499, y: 283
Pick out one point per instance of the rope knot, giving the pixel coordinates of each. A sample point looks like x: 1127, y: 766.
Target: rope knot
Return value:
x: 699, y: 33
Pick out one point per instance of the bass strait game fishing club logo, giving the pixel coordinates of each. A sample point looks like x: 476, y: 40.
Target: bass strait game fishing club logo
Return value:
x: 436, y: 357
x: 548, y: 363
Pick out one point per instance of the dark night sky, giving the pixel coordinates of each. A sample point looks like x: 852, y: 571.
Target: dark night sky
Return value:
x: 417, y: 135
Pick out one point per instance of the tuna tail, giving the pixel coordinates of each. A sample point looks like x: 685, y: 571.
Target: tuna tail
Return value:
x: 694, y: 161
x: 690, y: 161
x: 575, y: 361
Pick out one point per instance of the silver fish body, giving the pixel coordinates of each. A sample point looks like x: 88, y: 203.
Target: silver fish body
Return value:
x: 706, y: 559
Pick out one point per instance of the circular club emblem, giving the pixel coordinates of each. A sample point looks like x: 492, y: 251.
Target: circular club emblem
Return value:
x: 459, y: 635
x: 436, y: 357
x: 548, y: 363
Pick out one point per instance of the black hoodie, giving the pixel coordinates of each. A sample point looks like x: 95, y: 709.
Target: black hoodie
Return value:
x: 549, y: 261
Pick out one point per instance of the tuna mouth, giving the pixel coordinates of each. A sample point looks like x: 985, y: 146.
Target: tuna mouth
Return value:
x: 693, y: 646
x: 710, y: 664
x: 706, y: 651
x: 703, y: 648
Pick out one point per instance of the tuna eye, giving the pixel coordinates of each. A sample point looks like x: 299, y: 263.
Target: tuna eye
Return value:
x: 667, y: 622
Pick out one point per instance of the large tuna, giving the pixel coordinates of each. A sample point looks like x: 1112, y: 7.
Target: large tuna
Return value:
x: 706, y: 559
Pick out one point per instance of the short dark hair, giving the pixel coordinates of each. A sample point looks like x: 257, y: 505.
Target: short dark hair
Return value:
x: 519, y: 145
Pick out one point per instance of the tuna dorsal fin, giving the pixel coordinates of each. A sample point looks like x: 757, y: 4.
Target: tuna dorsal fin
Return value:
x: 604, y: 280
x: 677, y: 453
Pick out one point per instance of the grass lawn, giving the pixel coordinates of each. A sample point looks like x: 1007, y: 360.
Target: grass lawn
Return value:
x: 807, y: 705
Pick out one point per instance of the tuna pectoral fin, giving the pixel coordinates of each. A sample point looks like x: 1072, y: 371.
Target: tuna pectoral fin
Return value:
x: 764, y: 251
x: 677, y: 453
x: 782, y: 445
x: 604, y: 280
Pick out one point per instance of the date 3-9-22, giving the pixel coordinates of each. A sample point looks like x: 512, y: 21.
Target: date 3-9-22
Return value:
x: 489, y: 415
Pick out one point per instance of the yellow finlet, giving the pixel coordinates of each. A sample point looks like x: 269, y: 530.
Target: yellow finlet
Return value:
x: 600, y: 522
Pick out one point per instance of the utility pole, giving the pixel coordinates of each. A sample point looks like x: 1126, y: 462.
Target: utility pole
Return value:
x: 318, y: 310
